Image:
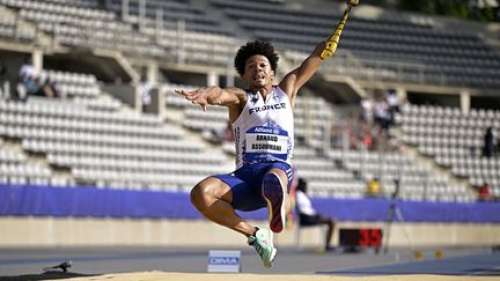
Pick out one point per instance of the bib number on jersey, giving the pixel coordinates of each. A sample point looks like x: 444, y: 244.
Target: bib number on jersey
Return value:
x: 266, y: 143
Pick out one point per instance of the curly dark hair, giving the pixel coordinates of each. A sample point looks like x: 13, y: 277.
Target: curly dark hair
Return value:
x: 255, y: 48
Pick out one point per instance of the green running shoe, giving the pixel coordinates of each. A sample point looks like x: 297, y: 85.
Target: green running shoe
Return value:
x: 263, y: 244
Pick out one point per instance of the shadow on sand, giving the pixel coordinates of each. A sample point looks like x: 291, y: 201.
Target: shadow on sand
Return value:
x: 44, y: 276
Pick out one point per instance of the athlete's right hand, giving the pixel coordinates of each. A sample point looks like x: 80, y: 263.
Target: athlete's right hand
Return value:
x: 197, y: 96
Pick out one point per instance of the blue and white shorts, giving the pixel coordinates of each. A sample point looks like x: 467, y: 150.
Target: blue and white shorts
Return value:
x: 245, y: 184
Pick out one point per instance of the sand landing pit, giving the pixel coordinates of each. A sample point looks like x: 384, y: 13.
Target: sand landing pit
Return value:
x: 171, y: 276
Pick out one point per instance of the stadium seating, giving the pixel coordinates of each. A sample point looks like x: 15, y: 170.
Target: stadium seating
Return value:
x: 99, y: 145
x: 417, y: 182
x: 195, y: 18
x: 15, y: 169
x: 7, y: 25
x: 324, y: 178
x: 72, y: 85
x: 312, y: 115
x: 416, y: 51
x: 390, y: 47
x: 75, y: 26
x: 454, y: 140
x: 201, y: 40
x: 98, y: 139
x: 9, y: 29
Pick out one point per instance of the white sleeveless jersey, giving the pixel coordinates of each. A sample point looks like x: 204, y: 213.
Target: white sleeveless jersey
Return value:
x: 264, y: 129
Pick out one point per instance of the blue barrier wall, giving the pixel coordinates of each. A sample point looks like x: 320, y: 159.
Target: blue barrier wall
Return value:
x: 93, y: 202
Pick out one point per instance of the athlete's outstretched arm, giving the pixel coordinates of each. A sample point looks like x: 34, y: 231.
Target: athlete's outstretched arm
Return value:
x: 229, y: 97
x: 294, y: 80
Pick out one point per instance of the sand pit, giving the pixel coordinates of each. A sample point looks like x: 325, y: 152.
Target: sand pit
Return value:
x: 168, y: 276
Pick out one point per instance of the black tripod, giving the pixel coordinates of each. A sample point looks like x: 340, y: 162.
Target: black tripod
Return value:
x: 63, y: 266
x: 394, y: 212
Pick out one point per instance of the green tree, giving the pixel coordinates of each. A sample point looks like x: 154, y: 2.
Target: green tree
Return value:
x: 454, y: 8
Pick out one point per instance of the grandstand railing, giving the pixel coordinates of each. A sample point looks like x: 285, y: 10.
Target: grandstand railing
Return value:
x: 373, y: 70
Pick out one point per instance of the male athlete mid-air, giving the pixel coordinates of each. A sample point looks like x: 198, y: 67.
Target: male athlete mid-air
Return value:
x: 262, y: 119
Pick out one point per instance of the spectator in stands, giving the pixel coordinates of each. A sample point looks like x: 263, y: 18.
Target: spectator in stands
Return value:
x: 484, y: 192
x: 145, y: 88
x: 3, y: 88
x: 366, y: 136
x: 393, y: 104
x: 54, y: 87
x: 45, y: 87
x: 367, y: 110
x: 3, y: 69
x: 339, y: 136
x: 354, y: 134
x: 308, y: 216
x: 26, y: 83
x: 30, y: 82
x: 262, y: 119
x: 27, y: 71
x: 489, y: 143
x: 373, y: 188
x: 20, y: 92
x: 381, y: 114
x: 354, y: 131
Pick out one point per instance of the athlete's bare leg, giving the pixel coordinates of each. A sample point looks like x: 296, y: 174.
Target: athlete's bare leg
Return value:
x: 212, y: 197
x: 274, y: 191
x: 284, y: 180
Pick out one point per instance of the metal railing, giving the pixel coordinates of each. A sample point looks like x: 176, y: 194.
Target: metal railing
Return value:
x: 374, y: 70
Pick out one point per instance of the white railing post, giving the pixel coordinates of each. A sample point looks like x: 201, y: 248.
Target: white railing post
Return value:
x: 159, y: 24
x: 181, y: 52
x: 125, y: 7
x: 142, y: 15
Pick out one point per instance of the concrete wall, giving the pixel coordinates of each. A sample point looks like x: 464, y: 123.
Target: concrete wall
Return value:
x: 157, y: 105
x: 49, y: 231
x: 125, y: 93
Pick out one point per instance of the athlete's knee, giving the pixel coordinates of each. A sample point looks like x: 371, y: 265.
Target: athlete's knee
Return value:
x: 281, y: 174
x: 200, y: 192
x: 206, y: 191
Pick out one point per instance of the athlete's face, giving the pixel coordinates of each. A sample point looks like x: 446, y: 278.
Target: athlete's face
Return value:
x: 258, y: 72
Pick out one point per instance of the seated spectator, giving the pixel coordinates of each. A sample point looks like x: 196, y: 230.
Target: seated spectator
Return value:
x: 32, y: 84
x: 145, y: 88
x: 489, y: 143
x: 393, y: 103
x: 367, y: 110
x: 373, y: 188
x: 3, y: 72
x: 366, y: 137
x: 46, y: 88
x: 393, y: 100
x: 484, y: 192
x: 308, y: 215
x: 381, y: 114
x: 27, y: 70
x: 27, y: 83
